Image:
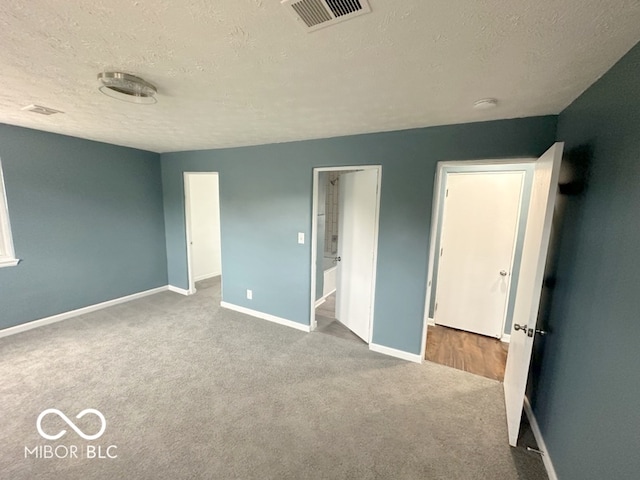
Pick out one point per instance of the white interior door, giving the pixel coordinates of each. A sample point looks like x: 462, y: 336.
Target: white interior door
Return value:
x: 480, y: 224
x: 357, y: 225
x: 534, y: 256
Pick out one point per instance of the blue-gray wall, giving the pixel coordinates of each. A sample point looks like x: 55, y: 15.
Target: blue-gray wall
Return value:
x: 265, y: 198
x: 87, y: 223
x: 588, y: 378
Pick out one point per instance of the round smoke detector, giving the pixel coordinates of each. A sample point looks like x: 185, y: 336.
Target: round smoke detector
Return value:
x: 127, y: 88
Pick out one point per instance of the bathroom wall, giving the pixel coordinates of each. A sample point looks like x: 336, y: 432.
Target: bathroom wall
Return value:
x: 332, y: 212
x: 323, y: 180
x: 331, y: 229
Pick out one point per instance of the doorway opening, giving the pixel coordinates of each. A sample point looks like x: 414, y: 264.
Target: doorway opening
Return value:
x: 345, y: 213
x: 202, y: 222
x: 527, y: 282
x: 480, y: 220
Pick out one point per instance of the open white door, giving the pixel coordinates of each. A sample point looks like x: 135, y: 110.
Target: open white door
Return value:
x: 534, y: 257
x: 356, y: 250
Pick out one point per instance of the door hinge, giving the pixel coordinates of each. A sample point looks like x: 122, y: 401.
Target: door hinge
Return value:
x: 447, y: 195
x: 436, y: 307
x: 441, y: 250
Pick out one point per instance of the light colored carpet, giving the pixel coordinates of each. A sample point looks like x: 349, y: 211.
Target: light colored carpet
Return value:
x: 190, y: 390
x: 327, y: 323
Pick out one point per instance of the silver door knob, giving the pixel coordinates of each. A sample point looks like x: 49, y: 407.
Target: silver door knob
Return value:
x: 524, y: 329
x: 503, y: 273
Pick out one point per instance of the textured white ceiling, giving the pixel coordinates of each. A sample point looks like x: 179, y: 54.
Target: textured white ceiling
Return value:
x: 242, y: 72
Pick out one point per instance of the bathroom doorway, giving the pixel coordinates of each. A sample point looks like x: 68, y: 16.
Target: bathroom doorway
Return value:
x: 345, y: 212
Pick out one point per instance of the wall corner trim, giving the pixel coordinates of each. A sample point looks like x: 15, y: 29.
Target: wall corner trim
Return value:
x: 9, y: 262
x: 392, y: 352
x: 535, y: 428
x: 181, y: 291
x: 80, y: 311
x: 266, y: 316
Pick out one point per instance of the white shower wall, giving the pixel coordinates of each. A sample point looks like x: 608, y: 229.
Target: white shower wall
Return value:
x: 331, y: 212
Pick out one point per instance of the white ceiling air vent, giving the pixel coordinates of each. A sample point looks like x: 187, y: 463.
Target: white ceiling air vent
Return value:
x: 40, y: 109
x: 315, y: 14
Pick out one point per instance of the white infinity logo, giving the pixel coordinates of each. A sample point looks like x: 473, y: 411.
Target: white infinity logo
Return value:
x: 71, y: 424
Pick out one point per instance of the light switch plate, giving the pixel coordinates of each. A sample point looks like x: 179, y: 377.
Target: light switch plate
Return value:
x: 249, y: 294
x: 301, y: 238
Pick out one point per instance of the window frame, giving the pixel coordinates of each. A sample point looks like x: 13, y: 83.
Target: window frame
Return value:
x: 7, y: 252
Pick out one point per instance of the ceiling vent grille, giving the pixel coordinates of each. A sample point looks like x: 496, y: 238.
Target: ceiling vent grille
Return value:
x: 41, y: 110
x: 316, y: 14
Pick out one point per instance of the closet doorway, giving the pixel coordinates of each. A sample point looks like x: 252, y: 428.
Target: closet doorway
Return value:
x: 202, y: 217
x: 481, y: 219
x: 527, y: 278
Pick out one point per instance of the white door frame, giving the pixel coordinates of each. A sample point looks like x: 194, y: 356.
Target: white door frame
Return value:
x: 314, y: 240
x: 439, y: 184
x: 187, y: 225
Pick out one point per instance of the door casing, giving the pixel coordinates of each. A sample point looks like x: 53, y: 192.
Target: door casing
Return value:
x: 187, y: 224
x: 519, y: 164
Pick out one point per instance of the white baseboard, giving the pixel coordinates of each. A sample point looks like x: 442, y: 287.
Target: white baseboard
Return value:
x: 181, y: 291
x: 506, y: 338
x: 329, y: 293
x: 411, y: 357
x: 535, y: 428
x: 266, y: 316
x: 324, y: 297
x: 206, y: 275
x: 80, y: 311
x: 431, y: 321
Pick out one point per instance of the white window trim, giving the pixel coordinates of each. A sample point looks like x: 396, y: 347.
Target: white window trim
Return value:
x: 7, y: 252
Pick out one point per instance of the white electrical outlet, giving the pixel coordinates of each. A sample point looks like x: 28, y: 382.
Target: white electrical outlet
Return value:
x: 301, y: 238
x: 249, y: 294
